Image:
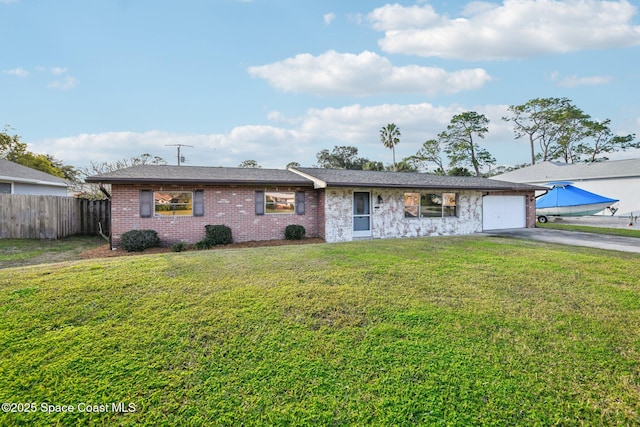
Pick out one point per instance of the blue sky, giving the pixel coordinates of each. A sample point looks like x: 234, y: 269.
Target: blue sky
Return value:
x: 276, y: 81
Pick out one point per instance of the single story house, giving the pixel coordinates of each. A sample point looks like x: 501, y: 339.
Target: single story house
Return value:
x: 18, y: 179
x: 616, y: 179
x: 336, y: 205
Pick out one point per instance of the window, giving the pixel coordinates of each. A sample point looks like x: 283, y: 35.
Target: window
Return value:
x: 449, y: 204
x: 173, y: 203
x: 430, y: 205
x: 411, y: 205
x: 5, y: 188
x: 167, y: 203
x: 280, y: 202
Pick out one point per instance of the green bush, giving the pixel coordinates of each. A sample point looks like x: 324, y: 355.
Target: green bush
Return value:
x: 139, y: 240
x: 203, y: 244
x: 294, y: 232
x: 218, y: 235
x: 179, y: 247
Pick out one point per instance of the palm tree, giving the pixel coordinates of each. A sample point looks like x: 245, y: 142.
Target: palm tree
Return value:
x: 390, y: 137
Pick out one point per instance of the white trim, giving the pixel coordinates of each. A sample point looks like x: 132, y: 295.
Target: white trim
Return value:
x: 360, y: 233
x: 32, y: 181
x: 317, y: 183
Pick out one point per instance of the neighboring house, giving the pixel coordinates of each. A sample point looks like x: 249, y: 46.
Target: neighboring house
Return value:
x: 18, y: 179
x: 617, y: 179
x: 336, y: 205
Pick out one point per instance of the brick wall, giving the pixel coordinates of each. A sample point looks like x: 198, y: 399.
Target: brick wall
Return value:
x: 233, y: 206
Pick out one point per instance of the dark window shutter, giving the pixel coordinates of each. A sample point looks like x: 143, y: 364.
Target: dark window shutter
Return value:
x: 259, y: 202
x: 198, y: 203
x: 300, y: 203
x: 146, y: 204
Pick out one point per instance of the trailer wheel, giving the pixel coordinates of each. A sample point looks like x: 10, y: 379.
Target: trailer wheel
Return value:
x: 543, y: 219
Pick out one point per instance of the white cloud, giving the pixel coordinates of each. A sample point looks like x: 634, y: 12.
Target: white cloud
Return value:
x: 396, y: 17
x: 292, y: 139
x: 56, y: 71
x: 515, y: 29
x: 65, y: 83
x: 18, y: 72
x: 367, y: 73
x: 328, y: 18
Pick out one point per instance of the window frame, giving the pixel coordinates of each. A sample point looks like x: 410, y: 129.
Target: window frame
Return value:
x: 297, y: 202
x: 412, y: 210
x: 171, y: 205
x: 147, y: 203
x: 271, y: 202
x: 448, y: 204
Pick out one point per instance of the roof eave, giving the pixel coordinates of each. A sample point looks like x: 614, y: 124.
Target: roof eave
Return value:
x: 33, y: 181
x: 434, y: 186
x: 98, y: 180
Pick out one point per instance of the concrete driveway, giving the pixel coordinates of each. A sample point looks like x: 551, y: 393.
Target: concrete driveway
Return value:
x: 574, y: 238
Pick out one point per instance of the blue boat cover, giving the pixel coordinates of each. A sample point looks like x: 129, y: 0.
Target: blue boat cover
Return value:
x: 564, y: 194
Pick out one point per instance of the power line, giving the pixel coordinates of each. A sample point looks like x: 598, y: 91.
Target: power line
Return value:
x: 180, y: 158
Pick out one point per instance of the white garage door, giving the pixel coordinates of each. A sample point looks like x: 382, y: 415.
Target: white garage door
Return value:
x: 500, y: 212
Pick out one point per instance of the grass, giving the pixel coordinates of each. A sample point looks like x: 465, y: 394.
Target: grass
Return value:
x: 435, y: 331
x: 589, y: 229
x: 21, y: 252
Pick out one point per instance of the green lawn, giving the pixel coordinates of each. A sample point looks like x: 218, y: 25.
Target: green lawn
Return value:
x: 435, y: 331
x: 21, y: 252
x: 626, y: 232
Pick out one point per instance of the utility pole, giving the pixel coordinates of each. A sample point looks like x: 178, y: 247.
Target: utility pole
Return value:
x: 180, y: 158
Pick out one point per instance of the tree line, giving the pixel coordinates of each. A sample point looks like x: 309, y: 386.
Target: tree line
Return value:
x: 554, y: 128
x: 14, y: 150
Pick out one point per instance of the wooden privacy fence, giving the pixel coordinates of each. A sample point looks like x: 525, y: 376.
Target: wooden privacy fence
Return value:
x: 51, y: 217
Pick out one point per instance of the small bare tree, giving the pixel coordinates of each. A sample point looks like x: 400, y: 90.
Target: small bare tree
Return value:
x: 94, y: 191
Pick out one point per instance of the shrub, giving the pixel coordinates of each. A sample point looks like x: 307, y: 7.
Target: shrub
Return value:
x: 179, y: 247
x: 139, y: 240
x: 294, y: 232
x: 203, y: 244
x: 218, y: 235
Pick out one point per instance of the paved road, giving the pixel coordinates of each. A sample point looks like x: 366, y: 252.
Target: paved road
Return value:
x: 575, y: 238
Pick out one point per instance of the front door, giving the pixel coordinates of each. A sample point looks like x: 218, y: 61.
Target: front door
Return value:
x: 361, y: 214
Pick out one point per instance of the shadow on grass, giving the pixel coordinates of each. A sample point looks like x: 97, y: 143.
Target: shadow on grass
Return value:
x: 23, y: 252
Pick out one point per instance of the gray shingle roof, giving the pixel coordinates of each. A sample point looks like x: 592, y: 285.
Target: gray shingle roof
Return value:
x: 321, y: 178
x: 358, y: 178
x: 200, y: 175
x: 10, y: 171
x: 552, y: 171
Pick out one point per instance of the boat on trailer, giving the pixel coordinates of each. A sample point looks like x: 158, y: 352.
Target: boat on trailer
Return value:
x: 564, y: 199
